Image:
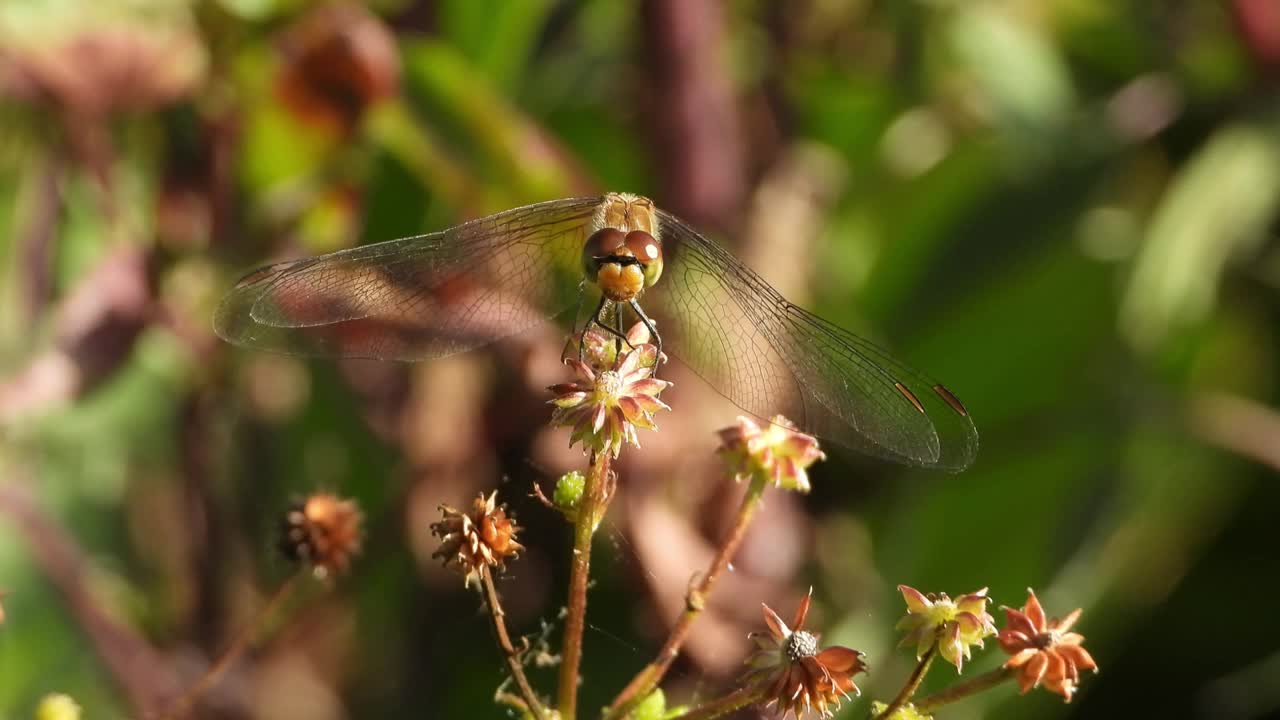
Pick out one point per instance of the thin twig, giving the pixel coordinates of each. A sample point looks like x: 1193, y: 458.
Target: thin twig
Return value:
x: 590, y: 510
x: 182, y: 707
x: 647, y: 679
x: 504, y: 641
x: 724, y: 705
x: 962, y: 690
x: 912, y: 684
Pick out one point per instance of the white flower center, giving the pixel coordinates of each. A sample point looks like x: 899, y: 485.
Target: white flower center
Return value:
x: 800, y: 644
x: 608, y: 384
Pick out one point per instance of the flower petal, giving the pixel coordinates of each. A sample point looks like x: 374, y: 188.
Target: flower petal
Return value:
x: 916, y: 601
x: 1033, y: 611
x: 838, y: 659
x: 777, y: 628
x: 802, y: 611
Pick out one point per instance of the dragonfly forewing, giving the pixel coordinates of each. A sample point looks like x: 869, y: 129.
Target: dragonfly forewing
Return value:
x: 418, y: 297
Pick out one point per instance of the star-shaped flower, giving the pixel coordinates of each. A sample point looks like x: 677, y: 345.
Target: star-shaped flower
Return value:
x: 955, y: 625
x: 1045, y: 651
x: 798, y: 677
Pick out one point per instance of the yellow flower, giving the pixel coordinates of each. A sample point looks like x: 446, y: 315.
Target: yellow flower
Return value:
x: 954, y: 625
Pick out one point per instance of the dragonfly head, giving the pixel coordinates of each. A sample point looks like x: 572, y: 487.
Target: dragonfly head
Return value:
x: 622, y: 264
x: 623, y: 255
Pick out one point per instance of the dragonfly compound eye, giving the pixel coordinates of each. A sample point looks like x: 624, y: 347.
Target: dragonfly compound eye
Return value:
x: 602, y: 243
x: 648, y: 251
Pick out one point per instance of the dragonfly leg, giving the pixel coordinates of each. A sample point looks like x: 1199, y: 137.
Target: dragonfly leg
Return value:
x: 594, y: 319
x: 653, y: 329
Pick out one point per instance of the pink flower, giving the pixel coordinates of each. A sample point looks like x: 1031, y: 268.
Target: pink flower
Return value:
x: 605, y: 406
x: 778, y: 453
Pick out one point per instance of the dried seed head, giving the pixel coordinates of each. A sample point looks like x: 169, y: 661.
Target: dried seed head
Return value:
x: 486, y: 536
x: 322, y: 531
x: 796, y: 673
x: 1044, y: 650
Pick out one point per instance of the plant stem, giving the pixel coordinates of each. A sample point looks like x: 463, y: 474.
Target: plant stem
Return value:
x: 962, y: 690
x: 590, y: 510
x: 724, y: 705
x: 913, y: 683
x: 182, y: 707
x: 496, y: 615
x: 648, y: 678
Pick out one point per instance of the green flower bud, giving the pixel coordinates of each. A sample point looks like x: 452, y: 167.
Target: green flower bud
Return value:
x: 569, y: 491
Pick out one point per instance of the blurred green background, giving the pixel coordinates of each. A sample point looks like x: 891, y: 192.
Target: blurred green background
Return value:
x: 1065, y: 209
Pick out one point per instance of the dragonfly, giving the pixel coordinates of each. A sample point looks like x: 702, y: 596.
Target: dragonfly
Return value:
x: 434, y: 295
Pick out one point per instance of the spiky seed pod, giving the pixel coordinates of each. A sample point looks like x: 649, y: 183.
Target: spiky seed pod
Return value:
x: 470, y: 541
x: 323, y: 532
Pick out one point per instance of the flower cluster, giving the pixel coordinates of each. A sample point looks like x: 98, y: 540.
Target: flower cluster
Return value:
x: 1045, y: 651
x: 778, y: 453
x: 322, y: 531
x: 485, y: 537
x: 798, y: 677
x: 954, y: 625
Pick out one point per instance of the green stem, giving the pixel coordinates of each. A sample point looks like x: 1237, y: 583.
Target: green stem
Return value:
x: 724, y: 705
x: 590, y: 510
x: 648, y: 678
x: 912, y: 685
x: 962, y: 690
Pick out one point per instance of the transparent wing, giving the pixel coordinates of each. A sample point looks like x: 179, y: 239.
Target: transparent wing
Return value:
x: 417, y: 297
x: 769, y: 356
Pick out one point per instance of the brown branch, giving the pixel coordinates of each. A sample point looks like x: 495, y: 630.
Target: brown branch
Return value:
x: 647, y: 679
x: 35, y: 239
x: 135, y: 666
x: 183, y: 706
x: 95, y: 331
x: 496, y: 616
x: 735, y: 700
x: 962, y: 690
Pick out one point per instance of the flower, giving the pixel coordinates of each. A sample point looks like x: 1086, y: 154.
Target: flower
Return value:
x: 604, y: 407
x: 322, y: 531
x: 799, y: 677
x: 1044, y: 651
x: 484, y: 538
x: 954, y: 625
x: 778, y: 453
x: 599, y: 348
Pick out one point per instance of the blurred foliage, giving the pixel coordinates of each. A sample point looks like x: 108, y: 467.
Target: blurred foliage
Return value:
x: 1067, y: 209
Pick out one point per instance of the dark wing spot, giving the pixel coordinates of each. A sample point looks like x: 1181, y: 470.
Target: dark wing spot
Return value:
x: 951, y: 400
x: 910, y: 396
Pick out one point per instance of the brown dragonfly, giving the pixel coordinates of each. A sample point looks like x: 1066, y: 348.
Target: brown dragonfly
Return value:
x: 445, y: 292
